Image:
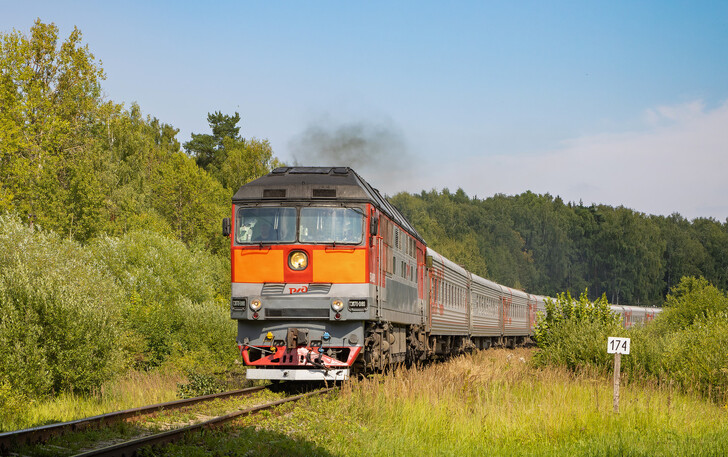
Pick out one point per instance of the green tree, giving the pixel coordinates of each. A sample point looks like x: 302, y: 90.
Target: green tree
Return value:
x: 245, y: 160
x: 684, y: 254
x: 190, y: 200
x: 209, y: 150
x: 134, y: 149
x: 227, y: 156
x: 50, y: 108
x: 543, y: 223
x: 714, y: 237
x: 691, y: 300
x: 629, y: 248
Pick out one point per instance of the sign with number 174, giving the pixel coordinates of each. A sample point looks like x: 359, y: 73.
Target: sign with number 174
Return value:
x: 617, y: 345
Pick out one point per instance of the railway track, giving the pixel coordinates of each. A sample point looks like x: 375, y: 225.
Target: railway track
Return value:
x: 12, y: 440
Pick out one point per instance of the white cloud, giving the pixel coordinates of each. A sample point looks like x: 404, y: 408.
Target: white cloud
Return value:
x: 678, y: 164
x: 663, y: 115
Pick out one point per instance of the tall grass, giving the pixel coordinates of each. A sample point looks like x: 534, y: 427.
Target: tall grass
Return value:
x: 497, y: 401
x: 128, y: 391
x: 491, y: 403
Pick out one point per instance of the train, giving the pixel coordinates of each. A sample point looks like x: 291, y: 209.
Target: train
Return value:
x: 330, y: 280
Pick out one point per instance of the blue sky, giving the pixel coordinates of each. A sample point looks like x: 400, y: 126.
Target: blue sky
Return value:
x: 623, y: 103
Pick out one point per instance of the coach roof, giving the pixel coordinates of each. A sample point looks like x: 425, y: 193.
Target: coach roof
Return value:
x: 333, y: 184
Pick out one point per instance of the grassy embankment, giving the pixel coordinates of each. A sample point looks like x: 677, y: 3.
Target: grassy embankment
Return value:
x: 491, y: 403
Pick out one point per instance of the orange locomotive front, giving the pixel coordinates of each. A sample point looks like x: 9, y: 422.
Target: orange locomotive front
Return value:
x: 305, y: 271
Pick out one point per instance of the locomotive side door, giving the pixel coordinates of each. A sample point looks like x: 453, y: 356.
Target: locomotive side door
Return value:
x: 378, y: 251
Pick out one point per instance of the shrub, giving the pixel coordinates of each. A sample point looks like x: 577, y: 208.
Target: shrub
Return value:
x: 696, y: 357
x: 60, y: 313
x: 206, y: 337
x: 12, y: 404
x: 162, y: 270
x: 574, y: 332
x: 177, y: 300
x: 198, y: 385
x: 692, y: 299
x: 687, y: 342
x: 72, y: 317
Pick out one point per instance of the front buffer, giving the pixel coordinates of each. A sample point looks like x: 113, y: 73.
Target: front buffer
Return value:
x: 300, y: 351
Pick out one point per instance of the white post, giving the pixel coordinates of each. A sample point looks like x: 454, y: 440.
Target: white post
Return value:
x: 617, y: 369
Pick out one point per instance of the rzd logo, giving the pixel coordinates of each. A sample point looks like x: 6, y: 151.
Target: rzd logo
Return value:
x: 298, y: 290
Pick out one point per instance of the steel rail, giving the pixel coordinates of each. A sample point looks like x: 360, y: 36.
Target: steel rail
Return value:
x: 10, y: 440
x: 129, y: 448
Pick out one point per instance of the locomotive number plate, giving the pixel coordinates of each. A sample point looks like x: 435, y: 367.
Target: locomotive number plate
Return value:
x: 357, y: 305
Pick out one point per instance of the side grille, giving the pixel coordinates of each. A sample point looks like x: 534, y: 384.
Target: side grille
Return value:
x: 297, y: 313
x: 319, y: 288
x: 324, y: 193
x: 274, y: 193
x: 273, y: 289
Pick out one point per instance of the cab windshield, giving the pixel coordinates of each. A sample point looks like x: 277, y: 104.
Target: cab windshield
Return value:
x: 265, y: 225
x: 330, y: 225
x: 254, y: 225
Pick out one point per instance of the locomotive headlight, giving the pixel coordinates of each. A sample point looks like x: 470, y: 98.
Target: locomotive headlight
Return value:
x: 255, y: 304
x: 298, y: 260
x: 336, y: 305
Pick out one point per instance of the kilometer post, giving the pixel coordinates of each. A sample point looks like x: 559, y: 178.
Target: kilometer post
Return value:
x: 617, y: 346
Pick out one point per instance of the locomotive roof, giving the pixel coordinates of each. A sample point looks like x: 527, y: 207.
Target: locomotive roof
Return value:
x: 332, y: 184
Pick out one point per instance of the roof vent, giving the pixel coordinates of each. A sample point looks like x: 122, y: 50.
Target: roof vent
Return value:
x: 274, y: 193
x: 324, y: 193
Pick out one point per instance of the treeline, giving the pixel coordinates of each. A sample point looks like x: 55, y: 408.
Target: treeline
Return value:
x: 79, y: 165
x: 543, y: 245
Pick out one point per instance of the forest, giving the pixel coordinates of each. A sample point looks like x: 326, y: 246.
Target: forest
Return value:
x: 543, y: 245
x: 110, y: 231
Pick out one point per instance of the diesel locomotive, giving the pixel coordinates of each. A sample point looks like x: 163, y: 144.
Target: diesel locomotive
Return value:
x: 330, y: 279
